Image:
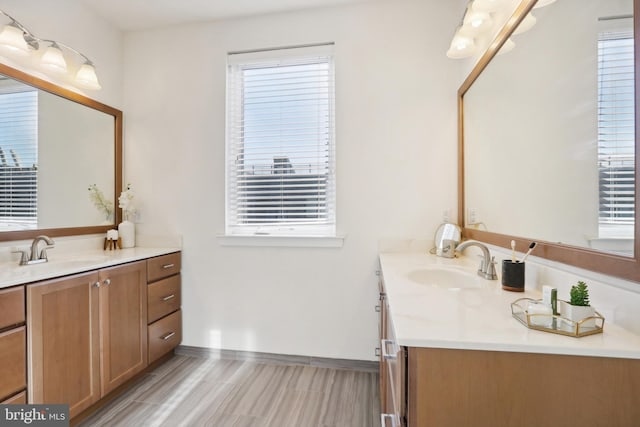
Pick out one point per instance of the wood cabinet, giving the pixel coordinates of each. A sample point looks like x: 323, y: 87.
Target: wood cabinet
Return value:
x: 477, y: 388
x: 86, y: 334
x: 13, y: 344
x: 438, y: 387
x: 123, y: 323
x: 164, y: 299
x: 392, y: 370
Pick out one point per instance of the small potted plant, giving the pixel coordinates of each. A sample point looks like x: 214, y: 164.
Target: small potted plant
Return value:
x: 578, y: 307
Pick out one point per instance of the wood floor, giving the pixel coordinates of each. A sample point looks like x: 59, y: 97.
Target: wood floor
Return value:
x: 194, y: 391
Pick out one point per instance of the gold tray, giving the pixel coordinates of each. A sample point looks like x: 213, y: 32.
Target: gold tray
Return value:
x: 555, y: 323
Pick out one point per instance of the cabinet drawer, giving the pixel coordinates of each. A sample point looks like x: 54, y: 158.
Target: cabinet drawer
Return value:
x: 163, y: 297
x: 13, y: 360
x: 163, y: 266
x: 164, y: 335
x: 18, y: 399
x: 11, y: 306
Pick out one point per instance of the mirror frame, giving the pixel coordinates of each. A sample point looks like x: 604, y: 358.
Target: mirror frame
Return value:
x: 627, y: 268
x: 88, y: 102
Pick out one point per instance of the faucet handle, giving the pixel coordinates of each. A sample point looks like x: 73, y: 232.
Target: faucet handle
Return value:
x: 491, y: 270
x: 24, y: 257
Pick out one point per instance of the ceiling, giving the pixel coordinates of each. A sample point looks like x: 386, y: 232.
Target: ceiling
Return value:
x: 132, y: 15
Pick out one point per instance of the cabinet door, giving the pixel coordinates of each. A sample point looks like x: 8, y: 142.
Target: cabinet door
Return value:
x: 123, y: 323
x: 63, y: 342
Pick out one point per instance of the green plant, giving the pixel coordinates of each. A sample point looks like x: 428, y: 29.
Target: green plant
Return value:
x: 579, y: 294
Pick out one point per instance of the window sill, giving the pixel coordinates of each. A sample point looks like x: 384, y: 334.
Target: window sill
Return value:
x: 281, y: 241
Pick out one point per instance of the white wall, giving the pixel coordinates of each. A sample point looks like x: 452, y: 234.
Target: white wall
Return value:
x: 69, y: 22
x: 396, y: 166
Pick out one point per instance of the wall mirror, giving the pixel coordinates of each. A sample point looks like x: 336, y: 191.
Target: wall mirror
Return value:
x: 547, y: 135
x: 54, y: 145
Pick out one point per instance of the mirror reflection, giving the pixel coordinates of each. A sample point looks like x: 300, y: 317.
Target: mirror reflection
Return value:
x: 51, y: 151
x: 549, y: 131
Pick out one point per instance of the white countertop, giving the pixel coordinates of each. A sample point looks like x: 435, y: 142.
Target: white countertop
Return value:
x: 425, y: 315
x: 62, y: 264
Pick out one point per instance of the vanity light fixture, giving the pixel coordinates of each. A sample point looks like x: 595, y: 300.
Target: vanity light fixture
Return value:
x: 50, y: 56
x: 479, y: 23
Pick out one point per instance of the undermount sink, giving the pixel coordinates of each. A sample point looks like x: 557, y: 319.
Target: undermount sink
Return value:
x: 447, y: 278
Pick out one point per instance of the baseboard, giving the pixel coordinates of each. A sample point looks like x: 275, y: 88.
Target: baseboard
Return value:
x: 324, y: 362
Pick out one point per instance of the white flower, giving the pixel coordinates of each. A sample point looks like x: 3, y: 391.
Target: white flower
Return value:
x: 125, y: 201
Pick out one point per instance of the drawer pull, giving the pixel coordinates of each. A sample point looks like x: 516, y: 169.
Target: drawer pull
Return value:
x: 169, y: 297
x: 385, y: 417
x: 169, y: 335
x: 385, y: 355
x: 167, y: 266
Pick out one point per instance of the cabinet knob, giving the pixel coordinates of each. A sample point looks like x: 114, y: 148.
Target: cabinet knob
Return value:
x: 96, y: 284
x: 106, y: 282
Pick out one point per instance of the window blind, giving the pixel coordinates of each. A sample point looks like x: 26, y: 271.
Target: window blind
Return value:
x: 280, y: 142
x: 18, y: 158
x: 616, y: 128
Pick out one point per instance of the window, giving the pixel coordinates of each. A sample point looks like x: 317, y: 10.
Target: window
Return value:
x: 616, y: 133
x: 18, y: 158
x: 280, y: 143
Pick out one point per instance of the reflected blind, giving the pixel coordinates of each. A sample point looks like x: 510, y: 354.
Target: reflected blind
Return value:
x: 616, y: 127
x: 280, y: 142
x: 18, y: 159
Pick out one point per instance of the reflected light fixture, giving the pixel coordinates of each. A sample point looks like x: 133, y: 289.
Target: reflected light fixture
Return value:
x: 507, y: 46
x: 543, y: 3
x: 488, y: 5
x: 480, y: 23
x: 477, y: 20
x: 462, y: 46
x: 527, y: 23
x: 20, y: 42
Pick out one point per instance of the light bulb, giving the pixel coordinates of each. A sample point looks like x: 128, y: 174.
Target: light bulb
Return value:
x: 86, y: 77
x: 53, y: 59
x: 12, y: 38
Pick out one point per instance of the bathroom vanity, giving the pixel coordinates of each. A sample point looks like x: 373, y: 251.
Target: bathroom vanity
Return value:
x: 453, y: 355
x: 78, y: 328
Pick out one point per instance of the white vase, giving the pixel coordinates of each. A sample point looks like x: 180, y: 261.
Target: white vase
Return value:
x: 127, y: 234
x: 577, y: 313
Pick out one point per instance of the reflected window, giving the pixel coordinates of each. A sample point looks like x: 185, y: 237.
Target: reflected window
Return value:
x: 616, y: 133
x: 18, y: 158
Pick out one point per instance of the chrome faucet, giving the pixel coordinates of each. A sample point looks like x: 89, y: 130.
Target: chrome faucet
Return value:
x: 487, y: 267
x: 36, y: 256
